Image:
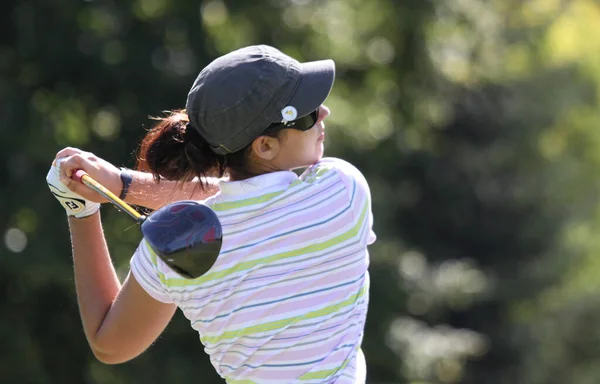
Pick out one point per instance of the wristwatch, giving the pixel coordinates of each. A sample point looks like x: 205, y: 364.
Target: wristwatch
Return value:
x: 126, y: 179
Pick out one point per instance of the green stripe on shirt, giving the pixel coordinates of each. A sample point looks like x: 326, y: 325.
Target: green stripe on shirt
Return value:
x: 250, y: 201
x: 324, y: 373
x: 278, y: 324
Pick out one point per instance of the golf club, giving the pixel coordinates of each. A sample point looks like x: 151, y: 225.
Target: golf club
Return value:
x: 186, y: 235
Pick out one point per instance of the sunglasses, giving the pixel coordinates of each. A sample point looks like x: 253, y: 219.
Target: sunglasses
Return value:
x: 302, y: 124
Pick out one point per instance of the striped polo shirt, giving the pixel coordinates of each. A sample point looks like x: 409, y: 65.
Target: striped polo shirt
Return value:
x: 286, y: 300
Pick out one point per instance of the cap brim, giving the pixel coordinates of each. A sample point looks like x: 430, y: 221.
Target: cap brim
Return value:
x: 314, y: 86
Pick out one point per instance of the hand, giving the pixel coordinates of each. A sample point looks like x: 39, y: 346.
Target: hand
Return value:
x: 74, y: 204
x: 100, y: 170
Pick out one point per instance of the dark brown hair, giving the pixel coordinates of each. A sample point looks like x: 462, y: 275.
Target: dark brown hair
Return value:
x: 174, y: 150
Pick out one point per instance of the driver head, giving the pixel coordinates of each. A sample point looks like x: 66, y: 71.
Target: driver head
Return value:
x: 186, y: 235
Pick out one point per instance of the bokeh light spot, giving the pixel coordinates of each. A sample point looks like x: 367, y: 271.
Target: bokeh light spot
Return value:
x: 15, y: 240
x: 214, y: 12
x: 107, y: 123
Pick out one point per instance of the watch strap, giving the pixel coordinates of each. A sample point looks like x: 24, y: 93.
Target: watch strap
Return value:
x: 126, y: 179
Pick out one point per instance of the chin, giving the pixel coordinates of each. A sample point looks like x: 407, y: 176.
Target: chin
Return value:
x: 317, y: 159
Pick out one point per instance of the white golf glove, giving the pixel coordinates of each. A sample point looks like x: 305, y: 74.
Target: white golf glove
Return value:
x: 74, y: 204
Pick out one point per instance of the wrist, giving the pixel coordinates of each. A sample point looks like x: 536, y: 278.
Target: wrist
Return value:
x: 94, y: 211
x: 90, y: 209
x: 126, y: 179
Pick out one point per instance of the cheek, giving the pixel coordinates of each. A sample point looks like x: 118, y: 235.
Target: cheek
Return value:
x: 306, y: 148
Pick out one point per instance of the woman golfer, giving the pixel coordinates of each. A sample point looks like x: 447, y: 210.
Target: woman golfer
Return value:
x: 286, y: 300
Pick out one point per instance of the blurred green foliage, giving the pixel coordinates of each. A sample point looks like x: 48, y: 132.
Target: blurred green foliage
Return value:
x: 475, y: 122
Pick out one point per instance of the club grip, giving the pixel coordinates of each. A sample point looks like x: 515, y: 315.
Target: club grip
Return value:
x: 78, y: 174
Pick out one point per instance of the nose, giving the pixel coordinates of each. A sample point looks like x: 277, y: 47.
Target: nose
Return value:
x: 323, y: 113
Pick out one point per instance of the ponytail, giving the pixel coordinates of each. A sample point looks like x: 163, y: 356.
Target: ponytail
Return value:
x: 174, y: 150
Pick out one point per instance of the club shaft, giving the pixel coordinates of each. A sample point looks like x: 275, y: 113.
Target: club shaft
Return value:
x: 114, y: 199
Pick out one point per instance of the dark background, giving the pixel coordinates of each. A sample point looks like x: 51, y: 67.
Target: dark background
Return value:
x: 474, y: 121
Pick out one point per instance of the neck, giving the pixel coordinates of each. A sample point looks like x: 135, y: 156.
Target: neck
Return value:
x: 239, y: 175
x: 252, y: 171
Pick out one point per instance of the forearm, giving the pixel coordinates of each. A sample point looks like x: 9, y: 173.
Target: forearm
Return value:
x: 96, y: 281
x: 145, y: 192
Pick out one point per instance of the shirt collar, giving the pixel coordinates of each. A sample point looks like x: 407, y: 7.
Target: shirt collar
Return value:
x: 257, y: 183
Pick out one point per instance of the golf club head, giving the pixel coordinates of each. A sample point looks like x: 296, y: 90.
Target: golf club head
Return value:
x: 186, y: 235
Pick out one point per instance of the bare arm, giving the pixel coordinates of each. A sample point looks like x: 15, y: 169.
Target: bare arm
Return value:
x: 144, y: 191
x: 120, y: 322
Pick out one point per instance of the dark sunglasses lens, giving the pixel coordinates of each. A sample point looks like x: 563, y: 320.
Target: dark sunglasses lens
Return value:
x: 303, y: 124
x: 307, y: 122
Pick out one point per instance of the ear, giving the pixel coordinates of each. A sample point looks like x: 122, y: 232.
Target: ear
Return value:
x: 265, y: 147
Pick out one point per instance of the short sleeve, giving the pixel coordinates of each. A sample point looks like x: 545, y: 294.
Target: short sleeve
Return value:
x: 145, y: 267
x: 358, y: 191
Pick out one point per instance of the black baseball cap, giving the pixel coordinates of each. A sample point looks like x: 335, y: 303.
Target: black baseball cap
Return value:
x: 238, y: 95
